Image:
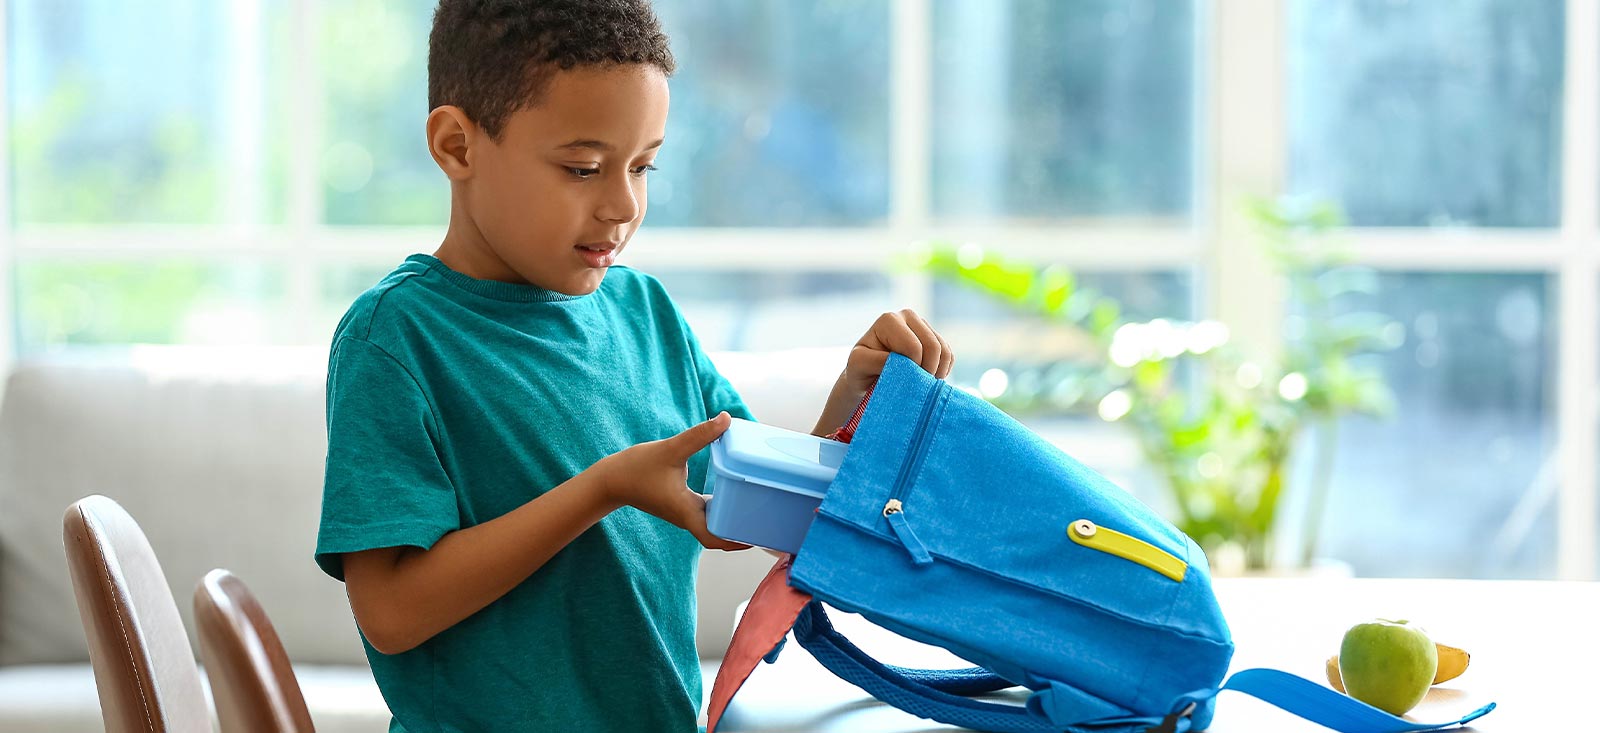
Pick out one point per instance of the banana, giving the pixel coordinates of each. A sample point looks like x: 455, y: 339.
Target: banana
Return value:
x: 1452, y: 662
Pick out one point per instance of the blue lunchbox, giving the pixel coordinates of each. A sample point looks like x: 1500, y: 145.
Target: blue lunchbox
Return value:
x: 766, y: 482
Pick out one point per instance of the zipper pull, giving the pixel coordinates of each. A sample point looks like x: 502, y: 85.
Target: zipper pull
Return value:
x: 895, y: 513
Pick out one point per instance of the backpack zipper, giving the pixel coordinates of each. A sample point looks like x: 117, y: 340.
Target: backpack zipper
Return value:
x: 1127, y: 547
x: 894, y: 509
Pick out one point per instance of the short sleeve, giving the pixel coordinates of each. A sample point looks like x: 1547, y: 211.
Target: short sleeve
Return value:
x: 384, y: 484
x: 716, y: 390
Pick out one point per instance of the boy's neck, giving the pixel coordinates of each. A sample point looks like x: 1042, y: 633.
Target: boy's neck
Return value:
x: 466, y: 251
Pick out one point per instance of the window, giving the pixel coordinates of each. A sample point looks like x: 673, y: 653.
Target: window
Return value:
x: 189, y: 171
x: 142, y: 113
x: 779, y: 115
x: 1049, y: 110
x: 375, y: 164
x: 1456, y: 481
x: 1417, y: 115
x: 1032, y: 350
x: 1428, y: 114
x: 81, y: 302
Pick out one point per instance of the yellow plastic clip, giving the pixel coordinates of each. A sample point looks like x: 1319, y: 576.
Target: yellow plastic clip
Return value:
x: 1127, y: 547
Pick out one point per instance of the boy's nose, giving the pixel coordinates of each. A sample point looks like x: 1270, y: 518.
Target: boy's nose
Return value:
x: 620, y: 204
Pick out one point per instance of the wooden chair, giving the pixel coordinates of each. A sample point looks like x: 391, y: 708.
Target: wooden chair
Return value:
x: 251, y: 681
x: 144, y: 668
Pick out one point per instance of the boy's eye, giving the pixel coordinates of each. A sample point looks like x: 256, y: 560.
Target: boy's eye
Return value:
x: 590, y: 172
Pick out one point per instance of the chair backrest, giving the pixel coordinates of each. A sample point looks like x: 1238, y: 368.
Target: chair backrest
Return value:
x: 251, y: 681
x: 143, y: 665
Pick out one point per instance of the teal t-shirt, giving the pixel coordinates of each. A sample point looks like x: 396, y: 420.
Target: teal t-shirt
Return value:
x: 452, y: 401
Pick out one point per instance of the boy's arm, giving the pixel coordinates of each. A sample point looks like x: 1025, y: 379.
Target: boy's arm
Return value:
x: 403, y: 596
x: 840, y: 407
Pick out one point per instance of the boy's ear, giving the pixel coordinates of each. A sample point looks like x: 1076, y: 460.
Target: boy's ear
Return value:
x: 449, y: 136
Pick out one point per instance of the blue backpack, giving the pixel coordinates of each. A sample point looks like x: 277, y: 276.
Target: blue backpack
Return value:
x: 951, y: 524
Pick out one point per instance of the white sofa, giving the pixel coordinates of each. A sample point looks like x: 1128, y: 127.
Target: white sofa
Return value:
x: 218, y: 454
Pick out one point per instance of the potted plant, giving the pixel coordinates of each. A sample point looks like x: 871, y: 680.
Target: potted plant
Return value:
x: 1218, y: 421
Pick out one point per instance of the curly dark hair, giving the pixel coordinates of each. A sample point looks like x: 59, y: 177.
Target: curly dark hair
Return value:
x: 494, y: 57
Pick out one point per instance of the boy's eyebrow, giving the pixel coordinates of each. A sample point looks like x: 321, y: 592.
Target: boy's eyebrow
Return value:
x: 602, y: 146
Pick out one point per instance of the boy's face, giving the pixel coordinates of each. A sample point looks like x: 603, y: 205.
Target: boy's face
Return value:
x: 563, y: 191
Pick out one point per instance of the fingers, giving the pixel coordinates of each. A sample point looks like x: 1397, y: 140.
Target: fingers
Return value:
x: 909, y: 334
x: 691, y: 441
x: 694, y: 520
x: 890, y: 333
x: 947, y: 359
x: 932, y: 346
x: 713, y: 542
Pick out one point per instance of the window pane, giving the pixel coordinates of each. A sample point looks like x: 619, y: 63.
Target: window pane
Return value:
x: 760, y: 311
x: 780, y: 114
x: 83, y: 303
x: 1418, y: 113
x: 1045, y: 109
x: 375, y: 163
x: 1455, y: 483
x: 139, y: 112
x: 1037, y: 355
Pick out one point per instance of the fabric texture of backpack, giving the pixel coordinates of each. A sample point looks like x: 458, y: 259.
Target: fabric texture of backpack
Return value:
x: 951, y: 524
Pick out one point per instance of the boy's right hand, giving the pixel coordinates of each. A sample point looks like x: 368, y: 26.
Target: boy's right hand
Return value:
x: 652, y: 478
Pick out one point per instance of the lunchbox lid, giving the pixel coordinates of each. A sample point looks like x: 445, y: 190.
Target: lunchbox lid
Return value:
x: 770, y: 454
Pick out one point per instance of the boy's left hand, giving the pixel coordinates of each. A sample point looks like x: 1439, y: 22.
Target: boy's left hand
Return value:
x: 903, y: 332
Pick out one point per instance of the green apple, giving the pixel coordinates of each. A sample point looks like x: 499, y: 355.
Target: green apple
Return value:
x: 1387, y: 664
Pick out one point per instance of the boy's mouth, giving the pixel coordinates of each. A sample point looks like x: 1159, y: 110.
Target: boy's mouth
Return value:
x: 598, y: 254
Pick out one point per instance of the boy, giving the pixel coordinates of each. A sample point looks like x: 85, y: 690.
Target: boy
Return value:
x: 514, y: 424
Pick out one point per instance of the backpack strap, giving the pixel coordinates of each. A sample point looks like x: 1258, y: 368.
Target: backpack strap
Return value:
x: 928, y: 694
x: 760, y: 634
x: 964, y: 682
x: 1321, y: 705
x: 913, y: 693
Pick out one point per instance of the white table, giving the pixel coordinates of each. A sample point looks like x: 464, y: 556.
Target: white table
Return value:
x: 1535, y: 650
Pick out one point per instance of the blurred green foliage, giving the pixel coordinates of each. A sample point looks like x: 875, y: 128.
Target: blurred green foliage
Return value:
x: 118, y: 302
x: 105, y: 302
x: 1217, y: 420
x: 158, y: 175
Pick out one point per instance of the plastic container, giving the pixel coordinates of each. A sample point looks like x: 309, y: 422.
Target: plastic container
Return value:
x: 766, y: 483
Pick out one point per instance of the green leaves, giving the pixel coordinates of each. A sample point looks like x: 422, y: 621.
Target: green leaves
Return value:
x: 1216, y: 419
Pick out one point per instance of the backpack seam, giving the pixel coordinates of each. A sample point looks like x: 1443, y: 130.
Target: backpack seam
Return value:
x: 1166, y: 620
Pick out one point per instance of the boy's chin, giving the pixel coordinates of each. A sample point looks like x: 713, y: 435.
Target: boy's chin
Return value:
x: 582, y: 284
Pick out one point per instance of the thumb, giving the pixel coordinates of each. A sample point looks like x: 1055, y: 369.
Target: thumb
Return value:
x: 864, y: 366
x: 691, y: 441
